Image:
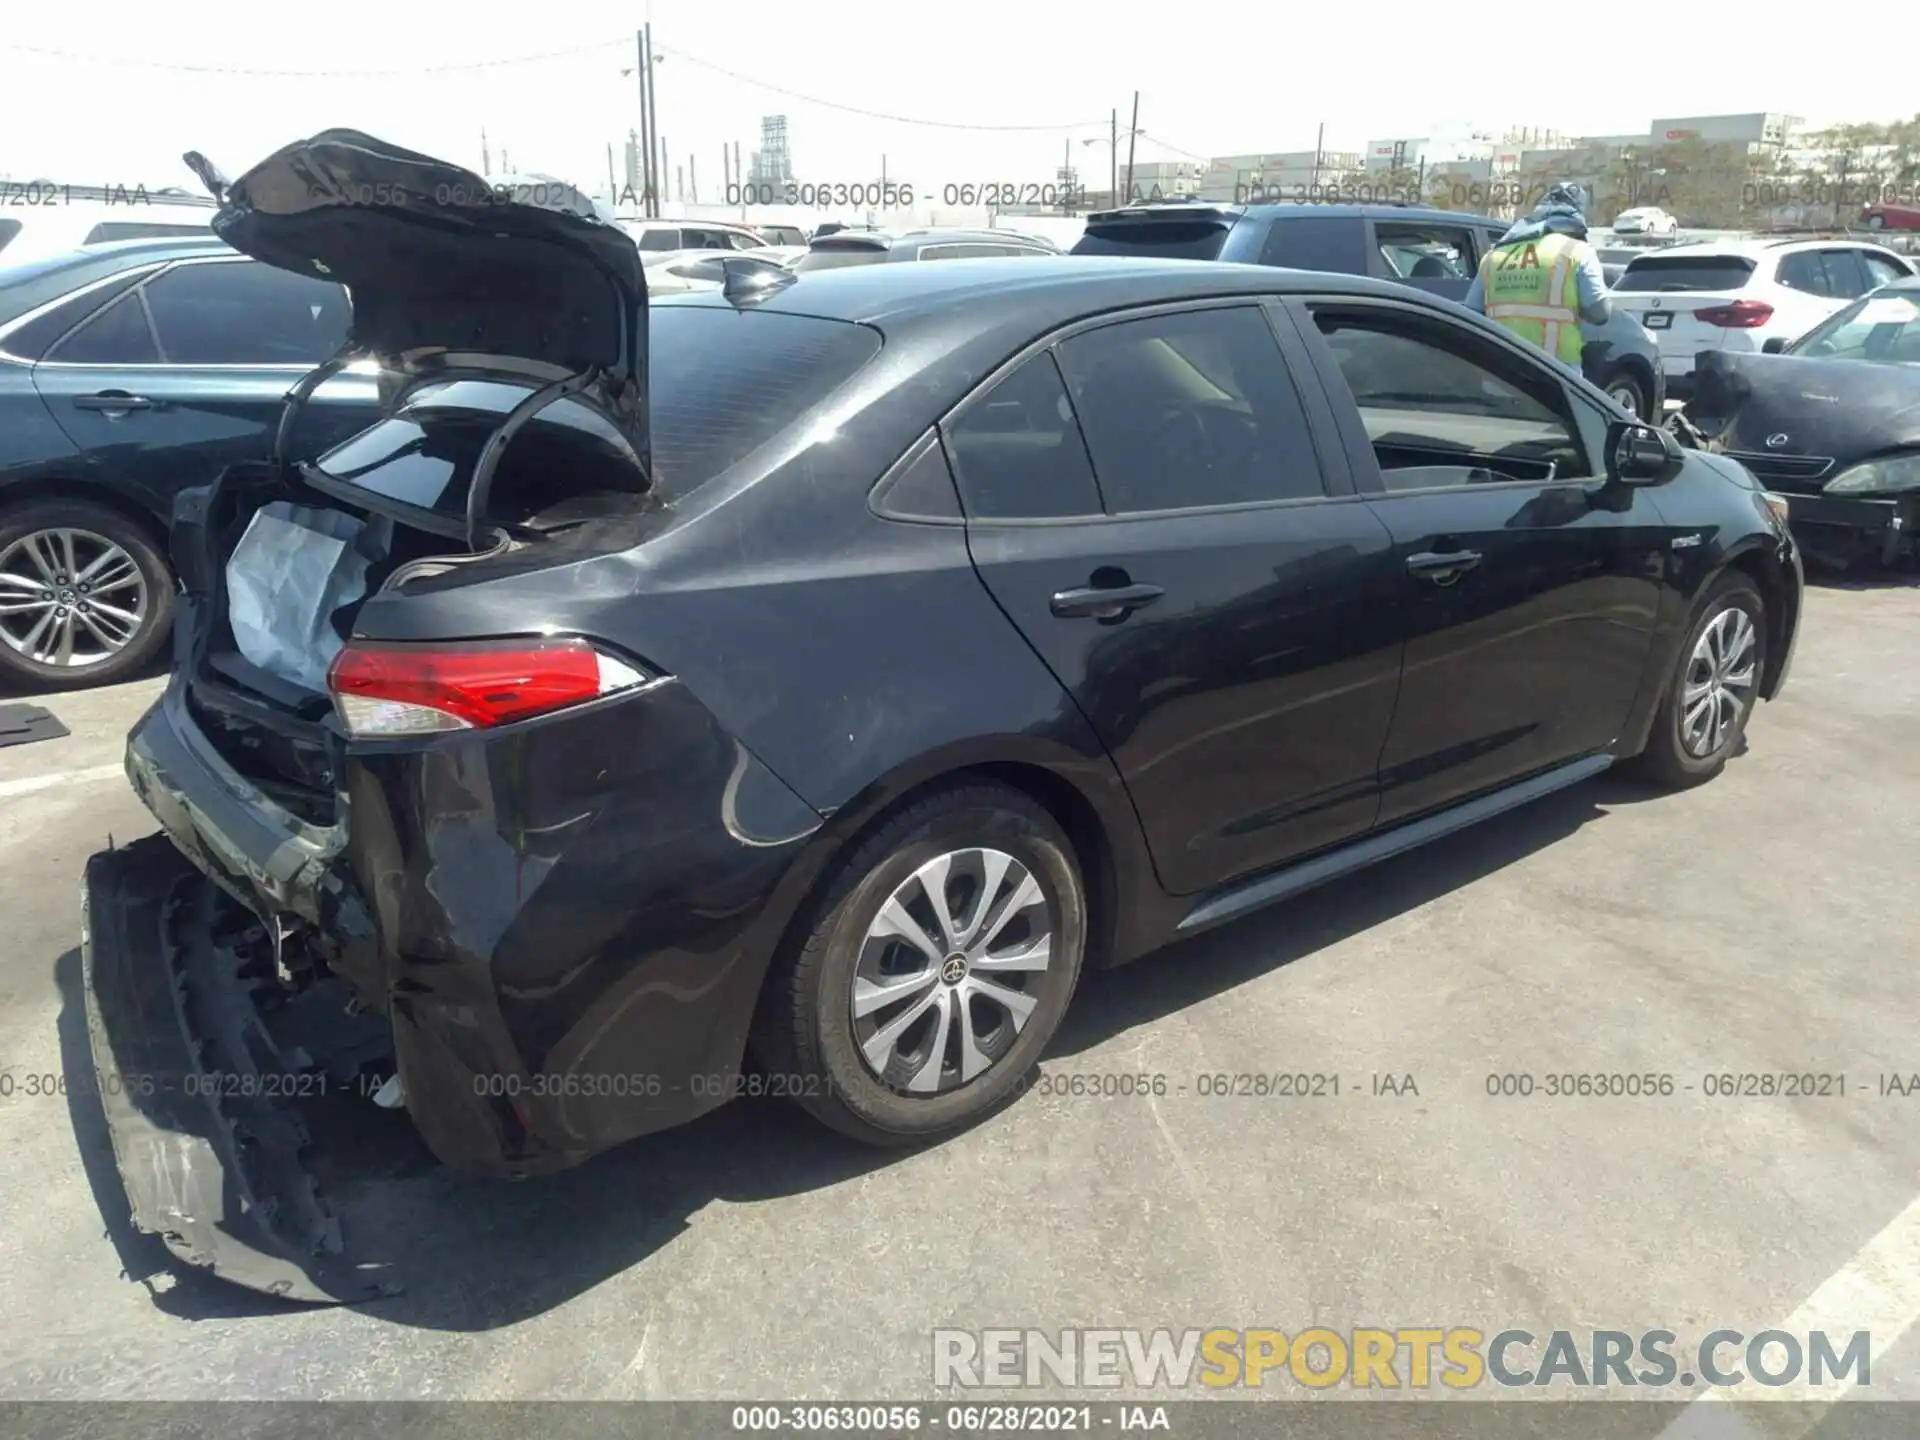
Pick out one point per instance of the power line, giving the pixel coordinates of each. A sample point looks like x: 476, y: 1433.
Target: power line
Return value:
x: 868, y: 114
x: 314, y: 74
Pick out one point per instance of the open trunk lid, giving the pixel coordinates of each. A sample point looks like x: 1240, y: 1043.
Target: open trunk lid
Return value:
x: 449, y: 271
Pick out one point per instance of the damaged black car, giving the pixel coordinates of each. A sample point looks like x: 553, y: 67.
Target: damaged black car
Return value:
x: 1831, y: 422
x: 805, y: 678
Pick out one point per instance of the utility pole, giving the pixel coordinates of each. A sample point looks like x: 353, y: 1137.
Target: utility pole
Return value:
x: 613, y: 181
x: 1133, y: 132
x: 1319, y: 153
x: 486, y: 155
x: 726, y: 175
x: 653, y: 118
x: 641, y: 69
x: 1113, y: 158
x: 680, y: 182
x: 693, y: 181
x: 739, y: 174
x: 664, y: 167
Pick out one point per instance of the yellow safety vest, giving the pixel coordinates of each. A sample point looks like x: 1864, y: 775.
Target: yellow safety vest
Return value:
x: 1531, y: 289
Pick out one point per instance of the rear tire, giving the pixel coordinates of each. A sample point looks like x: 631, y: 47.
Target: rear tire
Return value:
x: 1876, y: 222
x: 901, y: 1043
x: 85, y: 596
x: 1713, y: 688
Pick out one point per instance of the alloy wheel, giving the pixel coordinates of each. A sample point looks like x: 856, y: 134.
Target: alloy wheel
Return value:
x: 1626, y: 395
x: 70, y: 598
x: 1718, y: 688
x: 950, y: 970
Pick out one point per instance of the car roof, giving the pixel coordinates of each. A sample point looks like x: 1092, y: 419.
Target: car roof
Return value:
x: 1050, y: 289
x: 1753, y: 248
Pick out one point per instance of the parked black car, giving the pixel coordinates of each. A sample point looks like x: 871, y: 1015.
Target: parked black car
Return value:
x: 129, y: 372
x: 1832, y: 422
x: 1437, y: 251
x: 829, y: 671
x: 840, y: 248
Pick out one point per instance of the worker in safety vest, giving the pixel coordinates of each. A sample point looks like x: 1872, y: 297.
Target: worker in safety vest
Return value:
x: 1543, y: 278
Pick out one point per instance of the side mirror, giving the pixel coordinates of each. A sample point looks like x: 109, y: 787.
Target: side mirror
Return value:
x: 1641, y: 454
x: 1776, y: 346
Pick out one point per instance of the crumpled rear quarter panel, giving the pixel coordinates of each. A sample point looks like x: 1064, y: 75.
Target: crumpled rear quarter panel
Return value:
x: 568, y: 910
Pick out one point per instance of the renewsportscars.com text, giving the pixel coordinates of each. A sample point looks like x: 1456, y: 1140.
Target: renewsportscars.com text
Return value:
x: 1418, y: 1358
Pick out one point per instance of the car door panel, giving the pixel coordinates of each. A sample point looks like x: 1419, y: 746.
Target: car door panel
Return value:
x: 161, y: 418
x: 1245, y: 689
x: 1530, y: 599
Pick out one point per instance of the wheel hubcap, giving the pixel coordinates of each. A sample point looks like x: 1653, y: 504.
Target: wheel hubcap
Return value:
x: 69, y: 598
x: 1626, y: 397
x: 1719, y: 683
x: 951, y: 970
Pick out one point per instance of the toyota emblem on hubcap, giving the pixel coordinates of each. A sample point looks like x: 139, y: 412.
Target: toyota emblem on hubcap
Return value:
x: 954, y: 970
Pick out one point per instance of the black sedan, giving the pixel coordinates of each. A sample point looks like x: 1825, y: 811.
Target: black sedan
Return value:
x: 826, y: 670
x: 1831, y: 421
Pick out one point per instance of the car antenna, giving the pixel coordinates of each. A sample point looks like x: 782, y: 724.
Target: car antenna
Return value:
x: 745, y: 279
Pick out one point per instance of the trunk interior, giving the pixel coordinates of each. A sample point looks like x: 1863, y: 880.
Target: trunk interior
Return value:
x: 272, y: 730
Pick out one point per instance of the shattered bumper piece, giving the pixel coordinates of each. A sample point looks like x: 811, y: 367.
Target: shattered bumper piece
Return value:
x: 208, y: 1116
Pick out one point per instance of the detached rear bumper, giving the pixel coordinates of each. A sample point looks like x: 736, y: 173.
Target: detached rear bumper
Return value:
x: 208, y: 1116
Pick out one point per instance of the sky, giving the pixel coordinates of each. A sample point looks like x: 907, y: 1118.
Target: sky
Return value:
x: 118, y: 91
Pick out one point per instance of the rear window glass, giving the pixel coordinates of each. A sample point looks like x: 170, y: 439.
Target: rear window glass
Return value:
x: 833, y: 257
x: 1161, y: 239
x: 722, y: 384
x: 1652, y: 273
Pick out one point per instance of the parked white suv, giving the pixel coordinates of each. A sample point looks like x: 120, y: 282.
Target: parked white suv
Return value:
x: 1739, y: 294
x: 661, y: 235
x: 43, y: 217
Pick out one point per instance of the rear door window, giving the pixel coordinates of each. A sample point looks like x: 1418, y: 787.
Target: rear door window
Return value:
x: 1659, y: 274
x: 118, y: 335
x: 1190, y: 410
x: 1316, y: 242
x: 1018, y: 453
x: 1830, y: 274
x: 656, y: 238
x: 246, y: 313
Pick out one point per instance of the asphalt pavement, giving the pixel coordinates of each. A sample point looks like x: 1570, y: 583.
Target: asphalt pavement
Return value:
x: 1763, y: 924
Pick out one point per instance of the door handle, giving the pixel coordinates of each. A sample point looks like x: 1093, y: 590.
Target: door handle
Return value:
x: 1103, y: 602
x: 1442, y: 567
x: 113, y: 400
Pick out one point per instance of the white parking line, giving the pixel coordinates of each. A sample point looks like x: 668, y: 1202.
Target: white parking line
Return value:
x: 1877, y: 1291
x: 31, y: 783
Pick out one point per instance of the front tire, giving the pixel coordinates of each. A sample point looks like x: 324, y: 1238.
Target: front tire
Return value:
x: 939, y: 960
x: 1876, y: 222
x: 1627, y: 391
x: 85, y: 597
x: 1715, y: 685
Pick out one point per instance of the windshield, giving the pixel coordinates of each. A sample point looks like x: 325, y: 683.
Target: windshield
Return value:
x: 1883, y: 326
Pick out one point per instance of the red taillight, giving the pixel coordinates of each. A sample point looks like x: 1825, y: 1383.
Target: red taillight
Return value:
x: 1740, y: 315
x: 399, y: 689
